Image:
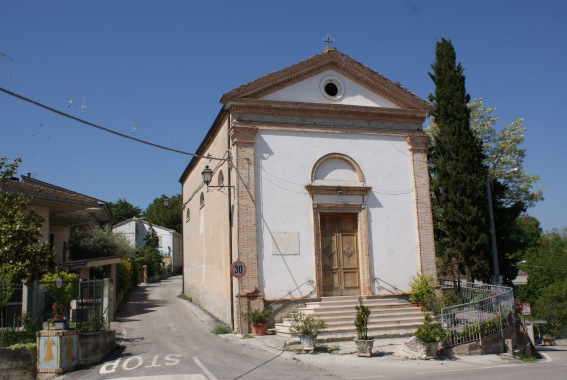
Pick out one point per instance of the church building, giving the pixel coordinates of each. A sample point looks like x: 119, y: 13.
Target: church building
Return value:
x: 318, y: 185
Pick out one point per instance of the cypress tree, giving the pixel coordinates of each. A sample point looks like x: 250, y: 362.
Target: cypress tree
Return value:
x: 457, y: 173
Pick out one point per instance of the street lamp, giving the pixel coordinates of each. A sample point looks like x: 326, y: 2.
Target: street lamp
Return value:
x: 207, y: 175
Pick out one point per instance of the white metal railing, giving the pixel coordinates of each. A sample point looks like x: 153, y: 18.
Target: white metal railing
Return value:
x: 486, y: 310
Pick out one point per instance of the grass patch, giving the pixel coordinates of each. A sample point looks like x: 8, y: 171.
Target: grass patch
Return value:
x: 185, y: 297
x: 29, y: 346
x: 527, y: 359
x: 220, y: 330
x: 247, y: 336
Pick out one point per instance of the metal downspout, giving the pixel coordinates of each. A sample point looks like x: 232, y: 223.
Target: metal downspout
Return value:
x: 229, y: 161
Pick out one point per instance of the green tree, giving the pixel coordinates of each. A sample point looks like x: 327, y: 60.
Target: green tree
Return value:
x: 168, y: 216
x: 22, y: 257
x: 457, y: 173
x: 99, y: 242
x: 511, y: 186
x: 504, y: 156
x: 124, y: 210
x: 551, y: 306
x: 545, y: 264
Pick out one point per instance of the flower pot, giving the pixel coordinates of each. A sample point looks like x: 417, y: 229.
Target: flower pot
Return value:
x: 431, y: 350
x: 58, y: 317
x: 308, y: 342
x: 364, y: 347
x: 259, y: 330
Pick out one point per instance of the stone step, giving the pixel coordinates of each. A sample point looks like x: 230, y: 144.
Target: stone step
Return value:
x: 384, y: 310
x: 333, y: 321
x: 345, y: 332
x: 390, y: 317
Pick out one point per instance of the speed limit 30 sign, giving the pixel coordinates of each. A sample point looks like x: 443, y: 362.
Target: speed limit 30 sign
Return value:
x: 238, y: 269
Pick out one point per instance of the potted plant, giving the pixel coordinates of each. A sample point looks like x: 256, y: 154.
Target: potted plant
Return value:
x: 58, y: 311
x: 363, y: 343
x: 258, y: 318
x: 307, y: 328
x: 430, y: 334
x: 62, y: 291
x: 421, y: 287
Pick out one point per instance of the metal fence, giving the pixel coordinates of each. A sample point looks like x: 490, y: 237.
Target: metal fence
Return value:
x: 486, y: 310
x: 31, y: 306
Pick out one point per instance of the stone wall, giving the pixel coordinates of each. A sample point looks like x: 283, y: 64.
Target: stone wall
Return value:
x: 18, y: 364
x: 95, y: 346
x: 493, y: 344
x: 21, y: 364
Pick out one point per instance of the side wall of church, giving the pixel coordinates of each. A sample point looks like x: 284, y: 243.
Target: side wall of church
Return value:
x: 206, y: 257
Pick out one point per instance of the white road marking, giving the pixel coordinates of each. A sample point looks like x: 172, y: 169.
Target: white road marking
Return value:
x: 207, y: 372
x: 466, y: 369
x: 197, y: 376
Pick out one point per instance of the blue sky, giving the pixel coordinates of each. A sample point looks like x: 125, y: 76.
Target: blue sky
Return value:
x: 167, y: 63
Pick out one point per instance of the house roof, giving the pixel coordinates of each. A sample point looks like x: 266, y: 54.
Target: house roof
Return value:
x: 71, y: 205
x: 142, y: 220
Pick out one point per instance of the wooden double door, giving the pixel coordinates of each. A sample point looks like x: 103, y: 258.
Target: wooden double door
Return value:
x: 339, y: 254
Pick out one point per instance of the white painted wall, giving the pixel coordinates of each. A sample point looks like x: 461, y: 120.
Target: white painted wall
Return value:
x: 309, y: 91
x: 284, y: 161
x: 135, y: 231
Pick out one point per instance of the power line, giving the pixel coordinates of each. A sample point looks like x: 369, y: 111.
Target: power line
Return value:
x: 50, y: 109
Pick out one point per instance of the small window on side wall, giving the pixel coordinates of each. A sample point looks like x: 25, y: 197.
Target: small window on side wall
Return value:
x: 187, y: 215
x: 202, y: 200
x: 220, y: 179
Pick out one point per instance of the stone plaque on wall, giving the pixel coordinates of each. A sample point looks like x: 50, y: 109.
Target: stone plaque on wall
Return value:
x: 285, y: 243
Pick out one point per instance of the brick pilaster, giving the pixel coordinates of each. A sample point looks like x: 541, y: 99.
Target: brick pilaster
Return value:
x: 243, y: 141
x: 418, y: 145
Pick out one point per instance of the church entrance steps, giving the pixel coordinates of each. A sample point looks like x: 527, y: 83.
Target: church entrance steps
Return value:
x: 390, y: 317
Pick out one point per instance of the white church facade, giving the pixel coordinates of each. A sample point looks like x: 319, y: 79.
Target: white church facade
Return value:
x: 322, y: 167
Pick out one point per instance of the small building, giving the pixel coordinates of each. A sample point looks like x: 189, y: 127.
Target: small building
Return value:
x: 170, y: 241
x: 63, y: 211
x: 320, y: 186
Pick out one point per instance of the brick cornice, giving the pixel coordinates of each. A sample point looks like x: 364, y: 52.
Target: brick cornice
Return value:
x: 418, y: 143
x: 240, y: 134
x: 326, y: 111
x: 369, y: 131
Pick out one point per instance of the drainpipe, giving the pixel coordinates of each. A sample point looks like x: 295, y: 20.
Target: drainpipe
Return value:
x: 229, y: 161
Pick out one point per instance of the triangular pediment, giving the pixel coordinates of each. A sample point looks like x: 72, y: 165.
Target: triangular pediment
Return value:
x: 329, y: 78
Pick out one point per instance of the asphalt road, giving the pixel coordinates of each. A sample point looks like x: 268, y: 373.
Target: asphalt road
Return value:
x: 164, y: 337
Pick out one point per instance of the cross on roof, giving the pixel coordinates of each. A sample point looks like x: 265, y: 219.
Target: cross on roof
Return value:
x: 328, y: 40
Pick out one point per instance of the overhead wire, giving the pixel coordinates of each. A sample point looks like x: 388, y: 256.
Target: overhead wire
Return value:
x: 82, y: 121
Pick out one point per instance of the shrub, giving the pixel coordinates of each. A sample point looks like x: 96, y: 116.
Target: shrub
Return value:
x: 361, y: 320
x: 421, y: 286
x: 302, y: 324
x: 430, y: 332
x: 258, y: 316
x: 434, y: 303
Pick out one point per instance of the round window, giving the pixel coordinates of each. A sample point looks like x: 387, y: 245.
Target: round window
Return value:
x: 332, y: 87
